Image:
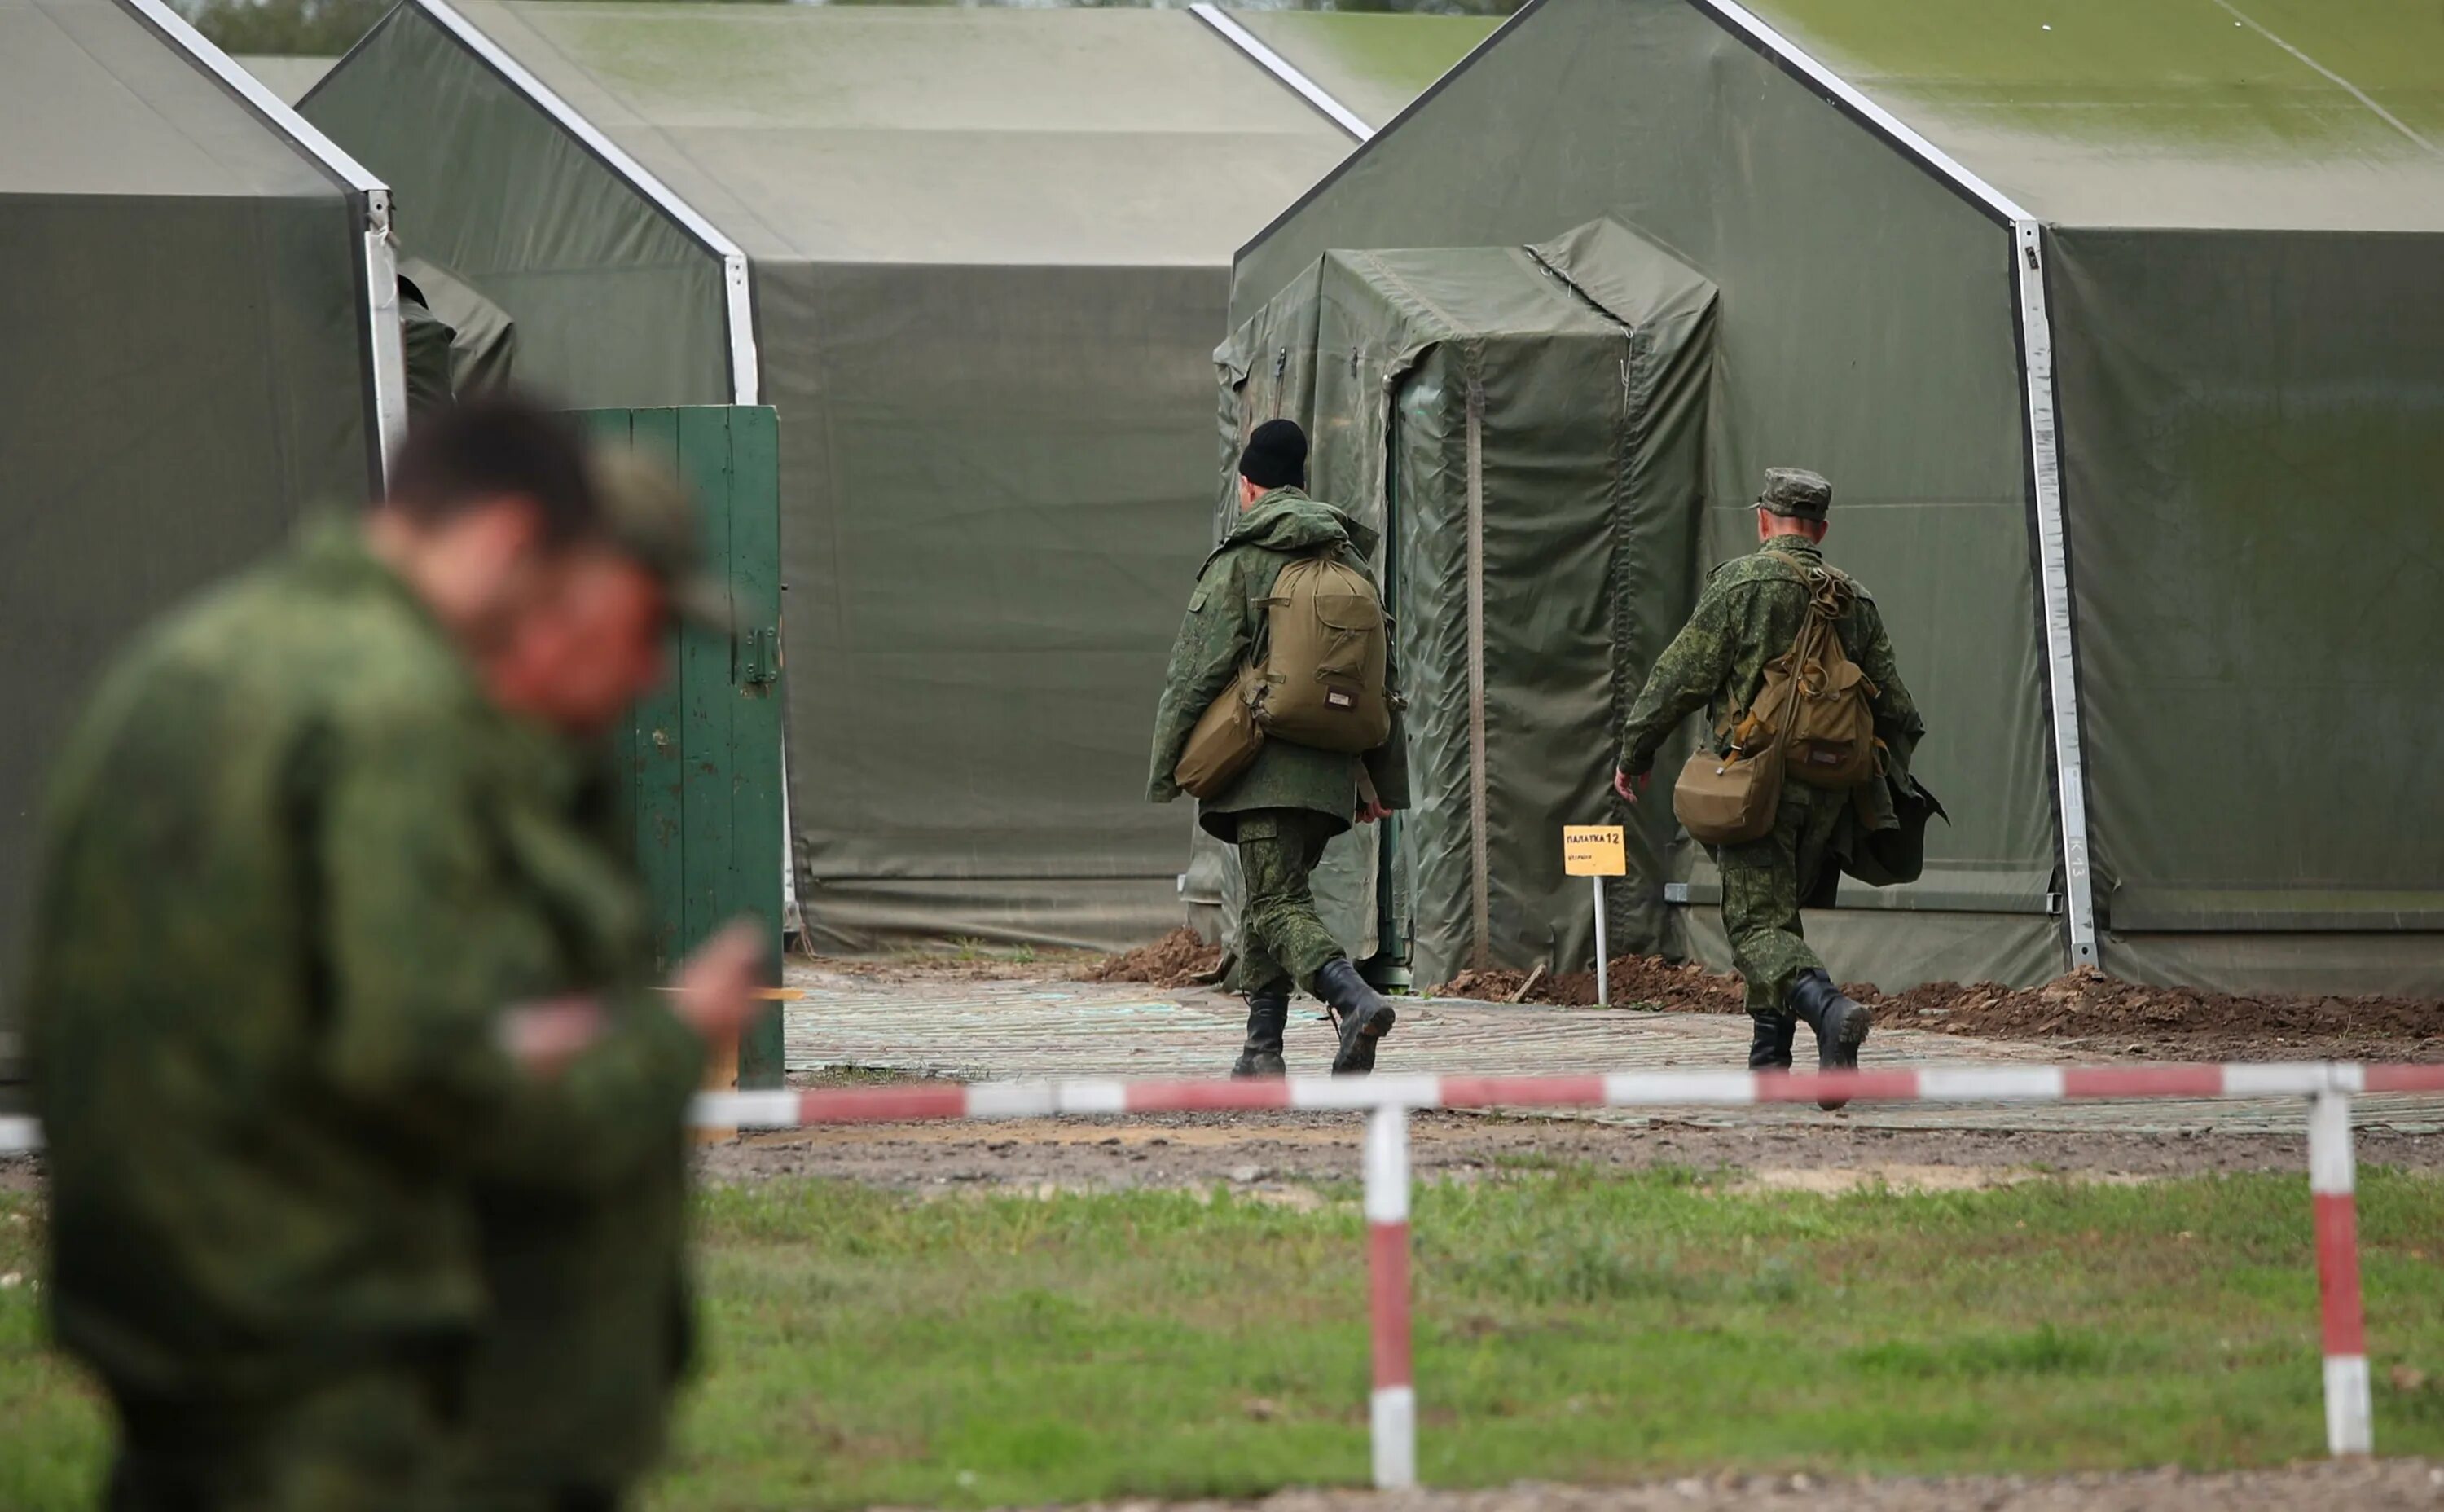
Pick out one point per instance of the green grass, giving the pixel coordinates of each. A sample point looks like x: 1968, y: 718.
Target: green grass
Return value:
x: 866, y: 1347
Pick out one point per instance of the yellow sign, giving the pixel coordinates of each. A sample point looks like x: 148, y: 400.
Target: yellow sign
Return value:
x: 1594, y: 850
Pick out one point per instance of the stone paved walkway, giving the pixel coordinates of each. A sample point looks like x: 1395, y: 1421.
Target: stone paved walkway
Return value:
x: 1001, y: 1031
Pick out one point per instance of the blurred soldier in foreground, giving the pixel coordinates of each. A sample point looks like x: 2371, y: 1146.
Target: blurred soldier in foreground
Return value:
x: 331, y: 972
x: 1284, y: 644
x: 1750, y: 618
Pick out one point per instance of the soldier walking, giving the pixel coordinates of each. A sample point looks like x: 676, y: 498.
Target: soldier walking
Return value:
x: 1752, y: 612
x: 1293, y: 798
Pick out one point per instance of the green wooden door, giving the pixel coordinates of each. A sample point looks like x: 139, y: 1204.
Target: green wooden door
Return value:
x: 704, y: 750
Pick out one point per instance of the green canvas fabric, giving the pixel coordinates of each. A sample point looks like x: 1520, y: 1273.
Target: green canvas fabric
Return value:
x: 616, y: 305
x: 988, y: 253
x: 2241, y: 208
x: 1864, y: 330
x: 1584, y: 364
x: 2297, y: 115
x: 2252, y: 418
x: 1374, y: 64
x: 186, y: 379
x: 483, y: 339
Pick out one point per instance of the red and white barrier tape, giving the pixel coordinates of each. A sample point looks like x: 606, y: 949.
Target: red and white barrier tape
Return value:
x: 1388, y: 1100
x: 1662, y: 1089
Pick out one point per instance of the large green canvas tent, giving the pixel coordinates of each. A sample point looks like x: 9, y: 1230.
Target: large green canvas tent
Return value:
x: 2116, y: 327
x: 195, y: 357
x: 975, y: 259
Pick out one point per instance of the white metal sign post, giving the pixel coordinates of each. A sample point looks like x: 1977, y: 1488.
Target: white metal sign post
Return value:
x: 1597, y: 850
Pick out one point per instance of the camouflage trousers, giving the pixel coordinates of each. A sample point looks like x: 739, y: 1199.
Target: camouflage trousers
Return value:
x: 1281, y: 941
x: 376, y: 1440
x: 1763, y: 882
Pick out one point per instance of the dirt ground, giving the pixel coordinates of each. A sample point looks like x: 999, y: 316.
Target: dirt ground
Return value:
x: 1178, y: 959
x: 2085, y: 1010
x: 2386, y: 1486
x: 1285, y: 1151
x: 1283, y: 1154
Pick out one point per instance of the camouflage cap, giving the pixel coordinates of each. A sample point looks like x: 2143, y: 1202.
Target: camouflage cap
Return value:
x: 1796, y: 493
x: 648, y: 517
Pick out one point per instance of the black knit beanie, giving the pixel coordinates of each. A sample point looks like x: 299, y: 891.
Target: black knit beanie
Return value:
x: 1275, y: 456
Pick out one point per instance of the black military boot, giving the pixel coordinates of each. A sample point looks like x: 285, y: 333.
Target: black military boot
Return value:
x: 1268, y: 1013
x: 1359, y: 1010
x: 1841, y: 1025
x: 1770, y: 1049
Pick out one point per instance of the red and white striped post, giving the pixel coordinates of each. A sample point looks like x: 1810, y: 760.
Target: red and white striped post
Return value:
x: 1394, y: 1403
x: 2332, y: 1183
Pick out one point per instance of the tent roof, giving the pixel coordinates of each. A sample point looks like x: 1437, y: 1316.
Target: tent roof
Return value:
x: 93, y: 101
x: 288, y: 76
x: 1376, y: 65
x: 2264, y: 114
x: 941, y: 134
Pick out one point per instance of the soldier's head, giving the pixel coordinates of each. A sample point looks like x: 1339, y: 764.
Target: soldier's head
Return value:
x: 1275, y: 457
x: 558, y: 571
x: 1795, y: 502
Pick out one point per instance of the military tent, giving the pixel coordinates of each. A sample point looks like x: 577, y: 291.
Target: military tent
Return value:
x: 199, y: 314
x: 289, y: 77
x: 2118, y: 329
x: 975, y: 259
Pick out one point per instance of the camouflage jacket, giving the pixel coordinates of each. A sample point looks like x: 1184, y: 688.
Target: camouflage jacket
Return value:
x: 1224, y: 629
x: 295, y: 868
x: 1749, y: 614
x: 588, y: 1327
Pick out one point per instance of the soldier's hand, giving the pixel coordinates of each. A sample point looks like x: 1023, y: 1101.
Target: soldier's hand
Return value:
x: 1629, y: 787
x: 717, y: 986
x: 1369, y: 813
x: 544, y: 1037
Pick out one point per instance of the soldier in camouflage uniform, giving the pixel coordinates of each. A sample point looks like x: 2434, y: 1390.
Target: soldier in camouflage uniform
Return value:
x: 1749, y: 614
x: 326, y: 968
x: 1293, y: 798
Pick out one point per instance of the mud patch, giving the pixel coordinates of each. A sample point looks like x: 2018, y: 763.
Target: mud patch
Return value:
x: 1178, y: 959
x: 2088, y: 1006
x: 2085, y: 1008
x: 1638, y: 982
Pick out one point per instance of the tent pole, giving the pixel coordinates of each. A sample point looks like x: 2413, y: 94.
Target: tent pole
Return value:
x: 386, y: 367
x: 1283, y: 69
x: 2037, y: 388
x: 746, y: 380
x: 2053, y: 574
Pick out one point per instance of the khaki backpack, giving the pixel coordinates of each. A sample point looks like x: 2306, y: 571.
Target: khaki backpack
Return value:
x: 1818, y: 697
x: 1812, y: 721
x: 1326, y: 645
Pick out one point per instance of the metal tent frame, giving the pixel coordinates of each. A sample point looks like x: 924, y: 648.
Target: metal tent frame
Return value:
x: 385, y: 364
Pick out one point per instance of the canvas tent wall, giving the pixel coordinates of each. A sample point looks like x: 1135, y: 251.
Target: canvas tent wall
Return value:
x: 1521, y: 425
x: 288, y: 76
x: 2114, y: 334
x: 195, y: 359
x: 987, y: 251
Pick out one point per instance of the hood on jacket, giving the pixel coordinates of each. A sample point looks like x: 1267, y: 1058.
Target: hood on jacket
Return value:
x: 1288, y: 520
